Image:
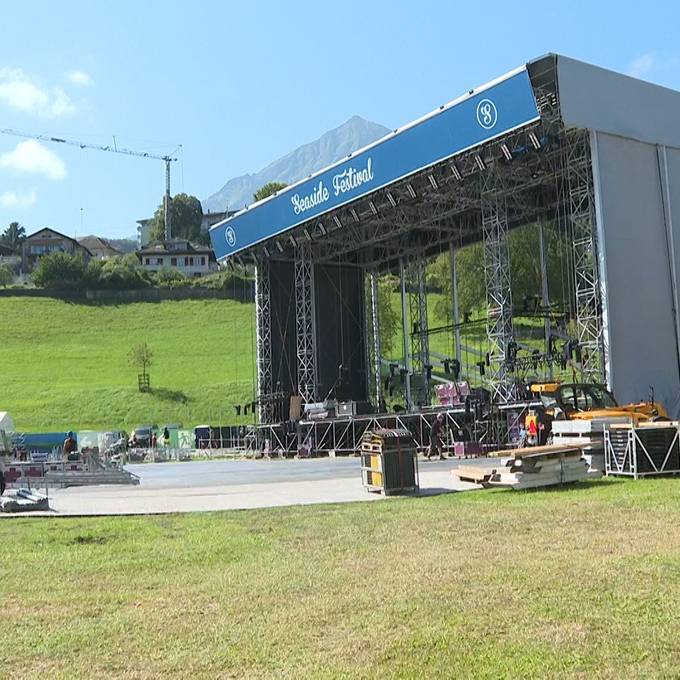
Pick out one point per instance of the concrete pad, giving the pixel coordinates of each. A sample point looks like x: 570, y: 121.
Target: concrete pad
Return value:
x: 231, y: 485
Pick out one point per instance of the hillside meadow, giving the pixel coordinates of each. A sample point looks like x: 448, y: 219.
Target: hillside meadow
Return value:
x: 65, y: 365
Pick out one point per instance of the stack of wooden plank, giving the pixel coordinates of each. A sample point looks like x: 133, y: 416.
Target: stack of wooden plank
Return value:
x: 529, y: 468
x: 389, y: 461
x: 589, y: 436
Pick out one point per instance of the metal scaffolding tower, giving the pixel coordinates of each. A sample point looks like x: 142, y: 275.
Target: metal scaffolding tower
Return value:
x: 305, y: 314
x: 584, y: 247
x: 497, y: 278
x: 375, y: 328
x: 420, y: 346
x: 263, y: 325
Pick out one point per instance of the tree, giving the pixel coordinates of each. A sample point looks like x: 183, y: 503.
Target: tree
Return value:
x: 389, y: 318
x: 59, y: 271
x: 269, y: 189
x: 186, y: 216
x: 13, y: 236
x: 141, y: 356
x: 6, y: 275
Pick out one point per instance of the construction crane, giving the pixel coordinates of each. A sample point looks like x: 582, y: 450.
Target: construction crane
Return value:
x: 113, y: 149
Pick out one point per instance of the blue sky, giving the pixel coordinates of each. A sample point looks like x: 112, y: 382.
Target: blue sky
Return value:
x: 239, y: 84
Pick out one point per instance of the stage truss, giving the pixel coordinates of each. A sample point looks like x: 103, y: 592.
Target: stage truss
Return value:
x: 540, y: 173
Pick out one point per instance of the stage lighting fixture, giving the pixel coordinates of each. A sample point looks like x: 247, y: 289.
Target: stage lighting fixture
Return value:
x: 535, y: 142
x: 506, y: 152
x: 308, y: 236
x: 266, y: 252
x: 292, y: 240
x: 480, y: 162
x: 322, y: 229
x: 456, y: 172
x: 390, y: 198
x: 371, y: 205
x: 433, y: 182
x: 411, y: 191
x: 279, y: 246
x: 337, y: 221
x: 355, y: 216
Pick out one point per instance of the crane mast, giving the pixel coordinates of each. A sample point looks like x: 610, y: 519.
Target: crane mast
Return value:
x: 113, y: 149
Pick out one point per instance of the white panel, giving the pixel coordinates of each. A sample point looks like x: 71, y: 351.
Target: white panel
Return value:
x: 597, y: 99
x: 643, y: 348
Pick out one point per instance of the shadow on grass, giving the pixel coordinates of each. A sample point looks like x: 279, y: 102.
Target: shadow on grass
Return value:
x: 585, y: 485
x: 164, y: 394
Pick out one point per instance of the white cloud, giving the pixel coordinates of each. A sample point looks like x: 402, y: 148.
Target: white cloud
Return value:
x: 643, y: 65
x: 23, y: 93
x: 31, y: 157
x: 80, y: 78
x: 11, y: 199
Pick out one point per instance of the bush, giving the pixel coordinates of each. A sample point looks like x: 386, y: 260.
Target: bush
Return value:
x: 59, y: 271
x: 170, y: 278
x: 6, y: 275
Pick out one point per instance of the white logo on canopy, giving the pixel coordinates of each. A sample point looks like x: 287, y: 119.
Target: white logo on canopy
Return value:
x: 487, y: 115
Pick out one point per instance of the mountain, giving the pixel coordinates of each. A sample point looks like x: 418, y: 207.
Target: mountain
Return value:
x: 306, y: 159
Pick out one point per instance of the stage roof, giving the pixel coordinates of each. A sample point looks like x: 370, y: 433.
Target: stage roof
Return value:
x: 480, y: 115
x: 590, y: 98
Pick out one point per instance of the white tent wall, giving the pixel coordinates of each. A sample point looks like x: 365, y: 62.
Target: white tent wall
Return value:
x: 636, y: 270
x: 635, y: 140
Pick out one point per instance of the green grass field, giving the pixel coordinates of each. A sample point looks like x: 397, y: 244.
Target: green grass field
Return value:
x: 581, y: 582
x: 65, y: 365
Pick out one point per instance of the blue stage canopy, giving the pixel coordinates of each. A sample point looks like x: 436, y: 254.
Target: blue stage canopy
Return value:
x: 479, y: 116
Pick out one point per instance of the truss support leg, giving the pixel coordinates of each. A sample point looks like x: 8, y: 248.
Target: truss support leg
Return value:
x: 404, y: 331
x: 305, y: 323
x: 455, y: 311
x: 420, y: 350
x: 497, y: 277
x: 545, y: 297
x: 584, y: 248
x: 375, y: 325
x: 263, y: 340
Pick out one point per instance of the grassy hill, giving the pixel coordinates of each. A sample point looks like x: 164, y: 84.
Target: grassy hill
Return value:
x: 65, y: 365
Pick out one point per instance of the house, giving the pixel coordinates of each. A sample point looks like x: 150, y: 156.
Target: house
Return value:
x: 46, y: 241
x: 100, y: 248
x: 189, y: 258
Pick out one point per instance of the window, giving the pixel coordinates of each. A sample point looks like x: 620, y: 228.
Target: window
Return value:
x: 191, y: 261
x: 202, y: 262
x: 159, y: 260
x: 186, y: 261
x: 173, y: 261
x: 147, y: 260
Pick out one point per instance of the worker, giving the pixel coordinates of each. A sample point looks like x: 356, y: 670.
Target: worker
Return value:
x: 435, y: 437
x: 70, y: 447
